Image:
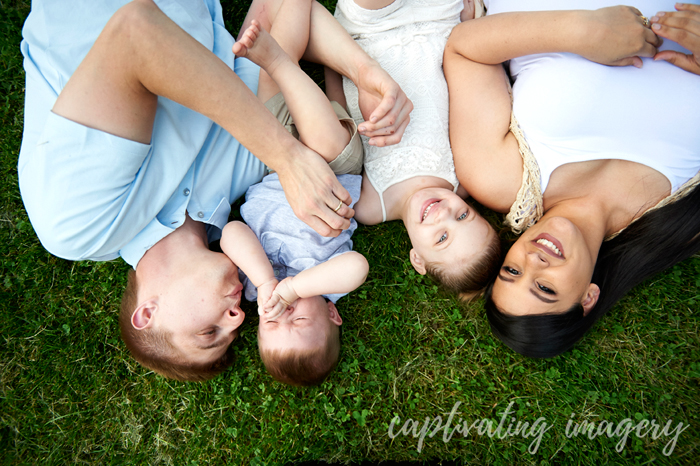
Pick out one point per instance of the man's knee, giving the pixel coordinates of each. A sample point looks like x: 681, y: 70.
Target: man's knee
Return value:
x: 133, y: 22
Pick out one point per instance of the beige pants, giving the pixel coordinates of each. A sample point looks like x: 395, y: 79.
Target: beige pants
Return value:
x: 350, y: 159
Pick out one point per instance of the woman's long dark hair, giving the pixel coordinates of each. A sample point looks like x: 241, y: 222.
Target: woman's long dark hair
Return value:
x: 653, y: 243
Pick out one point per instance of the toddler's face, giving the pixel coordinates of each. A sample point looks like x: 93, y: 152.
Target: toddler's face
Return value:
x: 444, y: 229
x: 303, y: 326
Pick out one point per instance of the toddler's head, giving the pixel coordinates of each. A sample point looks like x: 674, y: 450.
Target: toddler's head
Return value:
x: 452, y: 243
x: 301, y: 346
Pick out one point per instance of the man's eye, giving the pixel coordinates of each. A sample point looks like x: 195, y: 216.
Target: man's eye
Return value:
x: 442, y: 238
x: 511, y: 270
x: 210, y: 332
x: 463, y: 216
x: 545, y: 289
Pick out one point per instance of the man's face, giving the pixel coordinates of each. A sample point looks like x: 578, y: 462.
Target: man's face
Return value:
x: 201, y: 311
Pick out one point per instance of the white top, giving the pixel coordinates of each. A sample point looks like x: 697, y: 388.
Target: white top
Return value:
x: 573, y: 110
x: 407, y: 38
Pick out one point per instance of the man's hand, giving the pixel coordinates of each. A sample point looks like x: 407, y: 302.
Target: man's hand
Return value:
x: 384, y: 106
x: 682, y: 27
x: 283, y: 297
x: 314, y: 193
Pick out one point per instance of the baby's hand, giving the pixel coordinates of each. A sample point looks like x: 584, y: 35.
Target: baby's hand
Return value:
x: 283, y: 297
x: 265, y: 293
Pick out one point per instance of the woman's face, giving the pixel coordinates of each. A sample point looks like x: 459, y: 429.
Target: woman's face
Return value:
x: 546, y: 271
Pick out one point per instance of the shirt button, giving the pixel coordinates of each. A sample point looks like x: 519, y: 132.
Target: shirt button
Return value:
x: 271, y: 263
x: 186, y: 192
x: 277, y: 272
x: 200, y: 214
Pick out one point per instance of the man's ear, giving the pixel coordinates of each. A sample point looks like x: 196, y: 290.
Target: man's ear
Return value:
x: 142, y: 317
x: 417, y: 262
x: 333, y: 314
x: 591, y: 298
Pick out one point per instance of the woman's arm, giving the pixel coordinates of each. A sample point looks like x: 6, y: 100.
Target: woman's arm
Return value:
x: 487, y: 160
x: 610, y: 36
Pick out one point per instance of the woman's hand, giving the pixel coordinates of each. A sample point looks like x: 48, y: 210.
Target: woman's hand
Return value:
x: 617, y: 36
x: 682, y: 27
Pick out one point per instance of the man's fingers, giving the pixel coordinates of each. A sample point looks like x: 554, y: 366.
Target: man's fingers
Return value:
x: 685, y: 62
x: 688, y: 7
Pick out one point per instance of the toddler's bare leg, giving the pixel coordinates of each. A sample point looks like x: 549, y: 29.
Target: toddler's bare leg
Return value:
x: 315, y: 119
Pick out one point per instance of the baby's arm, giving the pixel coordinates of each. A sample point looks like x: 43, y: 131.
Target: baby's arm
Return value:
x: 241, y: 245
x: 341, y: 274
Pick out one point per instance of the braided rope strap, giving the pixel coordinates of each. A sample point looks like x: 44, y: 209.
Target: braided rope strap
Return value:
x: 528, y: 207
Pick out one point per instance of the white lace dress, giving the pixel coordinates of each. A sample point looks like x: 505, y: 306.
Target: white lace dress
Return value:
x: 408, y: 39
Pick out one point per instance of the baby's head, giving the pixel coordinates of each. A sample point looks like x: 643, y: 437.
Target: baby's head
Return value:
x: 301, y: 346
x: 452, y: 243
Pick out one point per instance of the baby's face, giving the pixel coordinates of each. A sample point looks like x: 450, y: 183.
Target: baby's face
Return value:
x: 304, y: 325
x: 444, y: 229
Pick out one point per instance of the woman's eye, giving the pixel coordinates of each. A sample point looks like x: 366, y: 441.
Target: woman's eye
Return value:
x: 511, y: 270
x: 545, y: 289
x: 463, y: 216
x: 210, y: 332
x: 442, y: 238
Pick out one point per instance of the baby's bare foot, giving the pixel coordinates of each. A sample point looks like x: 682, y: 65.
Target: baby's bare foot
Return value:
x: 257, y: 45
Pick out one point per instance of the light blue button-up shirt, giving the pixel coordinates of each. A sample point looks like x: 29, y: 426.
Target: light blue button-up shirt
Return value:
x: 98, y: 209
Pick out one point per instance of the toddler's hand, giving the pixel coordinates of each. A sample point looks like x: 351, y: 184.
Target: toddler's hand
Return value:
x: 283, y: 297
x: 265, y: 293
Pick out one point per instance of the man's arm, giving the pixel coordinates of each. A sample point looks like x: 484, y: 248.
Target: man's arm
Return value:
x: 341, y: 274
x: 141, y: 54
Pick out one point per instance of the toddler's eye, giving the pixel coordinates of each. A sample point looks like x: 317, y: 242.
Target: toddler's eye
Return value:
x: 463, y: 216
x: 442, y: 238
x: 511, y: 270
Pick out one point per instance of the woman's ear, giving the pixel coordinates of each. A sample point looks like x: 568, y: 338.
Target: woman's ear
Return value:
x: 417, y: 262
x: 591, y: 298
x: 142, y: 317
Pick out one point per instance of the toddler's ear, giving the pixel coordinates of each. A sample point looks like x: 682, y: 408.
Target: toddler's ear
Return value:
x: 143, y: 315
x: 417, y: 262
x: 333, y: 314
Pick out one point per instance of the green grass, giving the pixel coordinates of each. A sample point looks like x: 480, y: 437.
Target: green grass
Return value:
x: 69, y: 392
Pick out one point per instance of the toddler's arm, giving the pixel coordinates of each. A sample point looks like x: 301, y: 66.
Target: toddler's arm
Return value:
x: 241, y: 245
x: 341, y: 274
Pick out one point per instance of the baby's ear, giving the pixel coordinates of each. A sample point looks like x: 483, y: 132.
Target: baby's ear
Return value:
x: 142, y: 317
x: 333, y: 314
x: 417, y: 262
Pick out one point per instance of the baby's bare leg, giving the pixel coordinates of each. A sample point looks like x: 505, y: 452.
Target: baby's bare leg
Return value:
x: 315, y: 119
